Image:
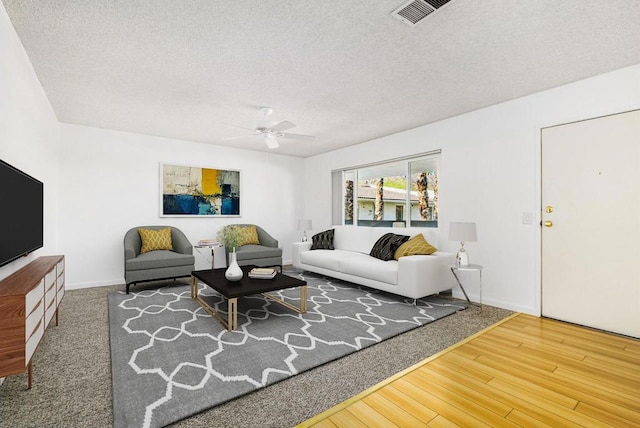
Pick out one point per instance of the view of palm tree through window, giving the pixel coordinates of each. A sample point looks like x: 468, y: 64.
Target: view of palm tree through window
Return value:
x: 399, y: 193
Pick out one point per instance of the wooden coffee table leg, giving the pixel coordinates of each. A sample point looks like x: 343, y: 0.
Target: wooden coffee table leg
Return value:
x: 301, y: 309
x: 232, y: 314
x: 303, y: 299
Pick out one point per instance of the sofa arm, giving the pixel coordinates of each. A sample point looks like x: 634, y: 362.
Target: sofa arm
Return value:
x: 181, y: 243
x: 299, y: 247
x: 425, y: 275
x: 264, y: 237
x: 129, y: 253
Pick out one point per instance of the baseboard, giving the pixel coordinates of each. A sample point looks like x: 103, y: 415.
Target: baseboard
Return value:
x: 79, y: 285
x: 497, y: 303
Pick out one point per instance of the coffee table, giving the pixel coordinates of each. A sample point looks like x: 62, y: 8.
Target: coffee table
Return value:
x: 215, y: 279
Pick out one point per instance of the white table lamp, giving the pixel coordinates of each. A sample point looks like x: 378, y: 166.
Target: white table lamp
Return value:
x: 304, y: 225
x: 462, y: 232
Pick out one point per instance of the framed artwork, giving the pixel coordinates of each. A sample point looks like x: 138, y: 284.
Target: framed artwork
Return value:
x: 191, y: 191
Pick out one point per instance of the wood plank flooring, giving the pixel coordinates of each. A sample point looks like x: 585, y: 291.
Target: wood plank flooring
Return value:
x: 524, y: 371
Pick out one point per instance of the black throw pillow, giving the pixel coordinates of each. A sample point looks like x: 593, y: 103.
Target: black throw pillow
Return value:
x: 323, y: 240
x: 386, y: 246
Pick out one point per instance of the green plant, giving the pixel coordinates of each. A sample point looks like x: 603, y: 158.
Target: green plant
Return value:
x: 230, y: 236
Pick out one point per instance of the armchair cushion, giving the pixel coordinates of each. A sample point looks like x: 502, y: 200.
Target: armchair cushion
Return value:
x: 251, y: 252
x: 155, y: 239
x: 158, y: 259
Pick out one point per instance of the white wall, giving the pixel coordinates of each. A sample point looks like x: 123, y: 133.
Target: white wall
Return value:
x: 28, y: 131
x: 489, y: 174
x: 109, y: 183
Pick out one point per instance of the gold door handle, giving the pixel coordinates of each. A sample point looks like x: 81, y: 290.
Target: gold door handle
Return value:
x: 548, y: 223
x: 548, y: 209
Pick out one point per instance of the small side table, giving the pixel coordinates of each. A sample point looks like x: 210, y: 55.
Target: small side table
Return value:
x: 478, y: 268
x: 200, y: 247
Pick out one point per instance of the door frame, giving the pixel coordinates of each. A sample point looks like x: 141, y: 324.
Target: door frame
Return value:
x: 538, y: 179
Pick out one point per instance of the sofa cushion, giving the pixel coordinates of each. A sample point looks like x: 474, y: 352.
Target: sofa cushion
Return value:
x: 323, y: 240
x: 159, y: 259
x: 365, y: 266
x: 415, y: 246
x: 353, y: 238
x: 386, y: 246
x: 326, y: 259
x: 153, y: 240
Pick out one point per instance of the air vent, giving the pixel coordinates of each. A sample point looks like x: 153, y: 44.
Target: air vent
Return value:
x: 414, y: 11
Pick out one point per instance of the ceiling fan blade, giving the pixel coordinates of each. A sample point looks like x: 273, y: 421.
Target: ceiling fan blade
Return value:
x: 271, y: 141
x: 282, y: 126
x: 297, y: 136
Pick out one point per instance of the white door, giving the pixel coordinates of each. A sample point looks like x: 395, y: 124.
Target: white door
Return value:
x: 591, y: 223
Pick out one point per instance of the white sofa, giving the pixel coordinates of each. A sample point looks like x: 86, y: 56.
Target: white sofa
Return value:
x: 411, y: 276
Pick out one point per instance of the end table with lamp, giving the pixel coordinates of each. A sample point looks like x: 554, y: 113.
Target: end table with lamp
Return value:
x: 455, y: 270
x: 464, y: 232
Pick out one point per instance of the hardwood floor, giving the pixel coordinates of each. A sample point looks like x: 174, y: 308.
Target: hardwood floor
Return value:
x: 523, y: 371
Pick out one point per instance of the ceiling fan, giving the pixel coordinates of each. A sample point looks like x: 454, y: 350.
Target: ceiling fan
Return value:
x: 270, y: 130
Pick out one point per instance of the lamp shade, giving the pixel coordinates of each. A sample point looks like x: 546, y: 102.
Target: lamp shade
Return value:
x: 462, y: 232
x: 304, y: 224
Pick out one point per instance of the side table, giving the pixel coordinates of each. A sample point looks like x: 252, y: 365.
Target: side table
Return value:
x: 201, y: 247
x: 478, y: 268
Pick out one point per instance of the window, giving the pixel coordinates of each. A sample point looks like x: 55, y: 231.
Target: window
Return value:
x: 381, y: 194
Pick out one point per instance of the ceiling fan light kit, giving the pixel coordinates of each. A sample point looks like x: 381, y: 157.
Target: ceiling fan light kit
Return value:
x: 269, y: 130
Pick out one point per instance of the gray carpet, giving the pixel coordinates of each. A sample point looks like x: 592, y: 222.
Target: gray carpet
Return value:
x: 171, y: 359
x: 72, y: 372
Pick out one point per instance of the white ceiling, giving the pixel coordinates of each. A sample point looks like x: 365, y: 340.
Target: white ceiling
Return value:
x: 344, y: 71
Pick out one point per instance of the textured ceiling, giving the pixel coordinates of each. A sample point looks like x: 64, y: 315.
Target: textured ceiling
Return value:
x: 344, y: 71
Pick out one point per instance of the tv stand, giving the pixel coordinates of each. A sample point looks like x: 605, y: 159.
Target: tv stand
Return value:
x: 29, y: 298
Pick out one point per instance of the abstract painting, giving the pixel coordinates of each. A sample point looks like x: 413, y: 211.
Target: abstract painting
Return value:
x: 194, y: 191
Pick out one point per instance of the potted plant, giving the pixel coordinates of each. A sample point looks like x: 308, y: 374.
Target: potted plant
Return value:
x: 230, y: 237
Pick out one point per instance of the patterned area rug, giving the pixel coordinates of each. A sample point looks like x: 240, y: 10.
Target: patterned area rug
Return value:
x: 170, y: 359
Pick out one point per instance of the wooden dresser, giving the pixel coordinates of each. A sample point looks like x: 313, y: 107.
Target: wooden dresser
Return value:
x: 29, y: 299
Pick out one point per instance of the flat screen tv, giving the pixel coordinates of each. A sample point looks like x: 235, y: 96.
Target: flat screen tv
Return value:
x: 21, y: 213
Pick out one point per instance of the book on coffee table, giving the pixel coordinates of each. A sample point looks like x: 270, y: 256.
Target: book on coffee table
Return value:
x: 262, y: 273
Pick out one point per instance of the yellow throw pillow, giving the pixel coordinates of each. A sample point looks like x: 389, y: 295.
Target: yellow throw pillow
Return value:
x: 248, y: 235
x: 155, y: 239
x: 414, y: 246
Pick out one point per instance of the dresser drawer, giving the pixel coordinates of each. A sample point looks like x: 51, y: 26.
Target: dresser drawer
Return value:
x: 60, y: 280
x: 49, y: 279
x: 60, y: 295
x: 33, y: 319
x: 49, y: 312
x: 33, y: 341
x: 50, y: 297
x: 33, y: 297
x: 60, y: 267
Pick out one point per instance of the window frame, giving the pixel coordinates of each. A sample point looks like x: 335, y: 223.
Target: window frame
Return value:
x: 339, y: 193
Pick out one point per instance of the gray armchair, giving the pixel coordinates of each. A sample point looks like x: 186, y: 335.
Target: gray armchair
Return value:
x: 266, y: 254
x: 159, y: 264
